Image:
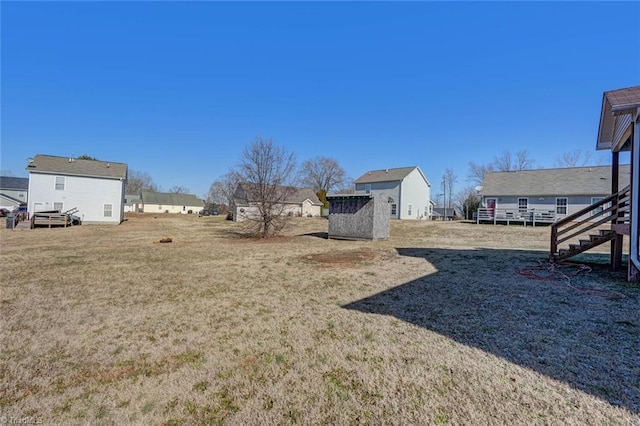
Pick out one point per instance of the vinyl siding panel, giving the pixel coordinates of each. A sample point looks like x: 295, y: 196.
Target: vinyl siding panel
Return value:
x: 88, y: 194
x: 417, y: 193
x: 390, y: 189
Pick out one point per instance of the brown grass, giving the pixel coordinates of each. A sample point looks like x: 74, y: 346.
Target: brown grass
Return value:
x: 434, y: 326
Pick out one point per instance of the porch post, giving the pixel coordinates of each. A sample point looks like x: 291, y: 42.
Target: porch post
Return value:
x: 615, y: 257
x: 634, y: 204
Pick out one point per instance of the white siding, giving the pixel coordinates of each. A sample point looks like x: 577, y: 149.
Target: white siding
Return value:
x: 166, y: 208
x: 414, y: 191
x: 89, y: 195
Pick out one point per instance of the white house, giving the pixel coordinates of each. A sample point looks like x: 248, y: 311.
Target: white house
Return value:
x: 169, y: 202
x: 95, y: 188
x: 408, y: 190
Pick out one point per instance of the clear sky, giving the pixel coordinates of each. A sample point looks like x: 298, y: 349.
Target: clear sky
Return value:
x: 178, y: 89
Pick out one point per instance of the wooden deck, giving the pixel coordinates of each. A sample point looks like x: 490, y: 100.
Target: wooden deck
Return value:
x: 515, y: 216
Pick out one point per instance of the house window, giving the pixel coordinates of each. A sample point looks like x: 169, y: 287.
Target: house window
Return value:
x: 367, y: 188
x: 108, y: 210
x: 523, y: 205
x: 409, y: 210
x: 561, y: 205
x: 598, y: 209
x: 60, y: 183
x: 58, y: 205
x: 394, y: 209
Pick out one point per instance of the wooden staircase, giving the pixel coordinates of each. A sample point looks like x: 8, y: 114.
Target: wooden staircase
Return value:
x: 583, y: 230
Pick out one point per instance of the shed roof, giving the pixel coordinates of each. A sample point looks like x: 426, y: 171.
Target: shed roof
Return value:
x: 388, y: 175
x: 594, y: 180
x: 170, y: 199
x: 615, y: 103
x: 76, y: 167
x: 14, y: 183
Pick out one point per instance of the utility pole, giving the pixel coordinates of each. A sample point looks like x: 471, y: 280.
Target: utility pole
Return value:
x: 444, y: 195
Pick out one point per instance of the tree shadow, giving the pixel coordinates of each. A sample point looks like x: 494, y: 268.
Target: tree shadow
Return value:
x: 588, y: 340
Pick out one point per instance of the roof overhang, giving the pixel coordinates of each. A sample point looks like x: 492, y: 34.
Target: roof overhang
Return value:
x: 620, y: 109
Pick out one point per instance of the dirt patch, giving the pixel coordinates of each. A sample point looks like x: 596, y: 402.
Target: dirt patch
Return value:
x: 347, y: 258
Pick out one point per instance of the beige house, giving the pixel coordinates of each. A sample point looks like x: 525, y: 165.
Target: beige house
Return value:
x: 164, y: 202
x: 298, y: 202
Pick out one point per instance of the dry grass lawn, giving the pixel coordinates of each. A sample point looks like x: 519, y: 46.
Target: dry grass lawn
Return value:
x: 99, y: 325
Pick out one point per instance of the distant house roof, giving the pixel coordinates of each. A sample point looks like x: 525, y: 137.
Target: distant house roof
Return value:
x: 171, y: 199
x: 440, y: 211
x: 76, y: 167
x: 388, y: 175
x: 615, y: 105
x: 564, y: 181
x: 296, y: 195
x: 14, y: 183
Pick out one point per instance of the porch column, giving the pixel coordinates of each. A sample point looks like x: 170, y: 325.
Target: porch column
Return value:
x: 615, y: 258
x: 634, y: 204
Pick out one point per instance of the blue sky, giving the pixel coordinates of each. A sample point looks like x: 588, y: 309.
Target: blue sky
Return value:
x: 178, y: 89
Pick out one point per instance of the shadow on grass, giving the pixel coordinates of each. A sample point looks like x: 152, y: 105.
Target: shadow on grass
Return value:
x: 323, y: 235
x: 476, y: 298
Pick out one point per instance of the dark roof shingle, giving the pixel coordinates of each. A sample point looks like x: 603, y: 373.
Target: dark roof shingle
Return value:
x: 14, y: 183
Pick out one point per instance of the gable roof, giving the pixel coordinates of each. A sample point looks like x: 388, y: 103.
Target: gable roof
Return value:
x: 439, y: 211
x: 616, y: 104
x: 14, y: 183
x: 76, y: 167
x: 388, y: 175
x: 296, y: 196
x: 562, y: 182
x: 170, y: 199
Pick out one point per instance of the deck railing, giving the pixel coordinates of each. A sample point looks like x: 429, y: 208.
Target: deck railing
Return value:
x: 524, y: 216
x: 613, y: 209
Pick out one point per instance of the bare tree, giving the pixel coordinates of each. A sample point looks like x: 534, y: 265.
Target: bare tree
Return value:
x: 221, y: 191
x: 477, y: 172
x: 522, y: 161
x: 177, y: 189
x: 266, y: 172
x: 449, y: 181
x: 322, y: 173
x: 505, y: 162
x: 577, y: 158
x: 138, y: 182
x: 348, y: 186
x: 467, y: 201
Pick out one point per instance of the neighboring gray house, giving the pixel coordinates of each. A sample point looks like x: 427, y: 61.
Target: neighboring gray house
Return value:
x: 408, y: 190
x: 13, y: 191
x: 169, y: 202
x: 132, y: 203
x: 561, y: 191
x: 444, y: 213
x: 95, y: 188
x: 298, y: 202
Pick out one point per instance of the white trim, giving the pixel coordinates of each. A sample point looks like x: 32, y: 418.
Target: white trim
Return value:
x: 566, y: 206
x: 526, y: 207
x: 634, y: 240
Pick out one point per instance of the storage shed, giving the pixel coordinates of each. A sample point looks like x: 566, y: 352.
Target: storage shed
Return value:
x: 359, y: 216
